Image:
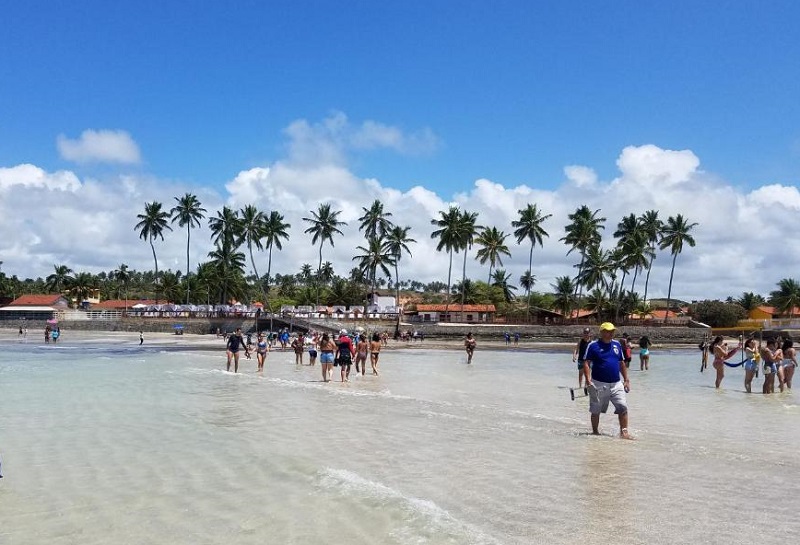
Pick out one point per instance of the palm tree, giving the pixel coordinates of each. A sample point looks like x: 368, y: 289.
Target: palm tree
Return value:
x: 502, y: 280
x: 564, y: 292
x: 596, y: 269
x: 493, y: 247
x: 82, y: 286
x: 374, y: 257
x: 787, y: 296
x: 750, y: 300
x: 225, y: 227
x: 251, y: 231
x: 468, y: 229
x: 275, y: 229
x: 375, y: 222
x: 151, y: 226
x: 652, y: 227
x: 582, y: 233
x: 674, y: 235
x: 324, y: 224
x: 188, y: 213
x: 395, y: 243
x: 529, y: 226
x: 123, y: 276
x: 527, y: 281
x: 448, y: 225
x: 60, y: 278
x: 632, y: 242
x: 227, y: 266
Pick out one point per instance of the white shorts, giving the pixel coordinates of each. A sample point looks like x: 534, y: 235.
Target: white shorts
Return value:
x: 600, y: 393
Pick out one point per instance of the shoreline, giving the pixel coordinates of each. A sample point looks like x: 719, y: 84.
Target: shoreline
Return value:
x: 194, y: 342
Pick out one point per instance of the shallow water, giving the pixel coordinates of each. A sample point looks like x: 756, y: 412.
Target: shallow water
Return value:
x: 116, y: 444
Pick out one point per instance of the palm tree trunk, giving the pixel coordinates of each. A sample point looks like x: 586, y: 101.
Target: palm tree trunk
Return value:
x: 449, y: 276
x: 253, y: 263
x: 319, y: 269
x: 155, y: 259
x: 269, y: 267
x: 669, y: 290
x: 463, y: 278
x: 491, y: 266
x: 530, y: 272
x: 635, y: 274
x: 579, y: 282
x: 647, y: 278
x: 188, y: 240
x: 619, y: 299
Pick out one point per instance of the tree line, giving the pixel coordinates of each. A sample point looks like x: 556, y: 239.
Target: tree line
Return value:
x: 598, y: 284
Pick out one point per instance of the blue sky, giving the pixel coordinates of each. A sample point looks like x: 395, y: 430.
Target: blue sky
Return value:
x: 680, y: 106
x: 513, y: 91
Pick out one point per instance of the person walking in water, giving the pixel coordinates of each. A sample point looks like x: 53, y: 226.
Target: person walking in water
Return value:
x: 262, y: 348
x: 236, y: 343
x: 345, y: 354
x: 299, y: 347
x: 607, y: 379
x: 141, y: 338
x: 361, y: 353
x: 375, y: 352
x: 469, y: 345
x: 580, y: 351
x: 644, y: 353
x: 326, y: 348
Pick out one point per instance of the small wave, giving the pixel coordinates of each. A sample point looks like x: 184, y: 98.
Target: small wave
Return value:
x: 423, y: 517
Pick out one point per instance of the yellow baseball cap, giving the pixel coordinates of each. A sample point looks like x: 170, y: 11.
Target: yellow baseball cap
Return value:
x: 607, y: 326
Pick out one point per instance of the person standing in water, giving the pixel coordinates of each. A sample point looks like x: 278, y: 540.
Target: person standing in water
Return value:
x: 236, y: 343
x: 469, y: 345
x: 625, y: 342
x: 375, y: 352
x: 789, y: 362
x: 141, y: 338
x: 721, y: 353
x: 262, y: 348
x: 644, y: 353
x: 752, y: 359
x: 607, y: 379
x: 579, y: 352
x: 769, y: 357
x: 704, y: 344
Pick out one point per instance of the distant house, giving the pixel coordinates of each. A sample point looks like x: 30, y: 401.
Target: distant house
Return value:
x: 34, y: 307
x: 382, y: 301
x: 454, y: 313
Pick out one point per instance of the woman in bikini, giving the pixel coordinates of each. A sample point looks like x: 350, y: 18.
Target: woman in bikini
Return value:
x: 789, y: 364
x: 375, y: 352
x: 469, y: 346
x: 361, y: 354
x: 770, y: 356
x: 721, y: 353
x: 262, y: 347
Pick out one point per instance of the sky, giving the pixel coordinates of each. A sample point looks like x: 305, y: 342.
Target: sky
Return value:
x: 625, y: 106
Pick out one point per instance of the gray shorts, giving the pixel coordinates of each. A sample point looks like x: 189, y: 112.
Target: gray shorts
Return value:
x: 600, y: 393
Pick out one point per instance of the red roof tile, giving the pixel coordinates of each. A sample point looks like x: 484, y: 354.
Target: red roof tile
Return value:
x: 39, y: 300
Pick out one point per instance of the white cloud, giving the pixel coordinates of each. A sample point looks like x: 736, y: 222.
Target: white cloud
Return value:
x: 742, y: 242
x: 99, y: 146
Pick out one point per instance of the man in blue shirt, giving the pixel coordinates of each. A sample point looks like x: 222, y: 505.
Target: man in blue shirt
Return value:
x: 603, y: 363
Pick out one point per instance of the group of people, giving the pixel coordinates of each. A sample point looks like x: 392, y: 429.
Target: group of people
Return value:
x: 51, y: 334
x: 333, y: 351
x: 777, y: 358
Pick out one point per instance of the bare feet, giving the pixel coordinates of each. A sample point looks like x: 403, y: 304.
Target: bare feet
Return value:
x: 623, y: 433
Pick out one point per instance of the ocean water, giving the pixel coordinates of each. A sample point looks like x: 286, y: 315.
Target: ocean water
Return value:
x: 109, y: 443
